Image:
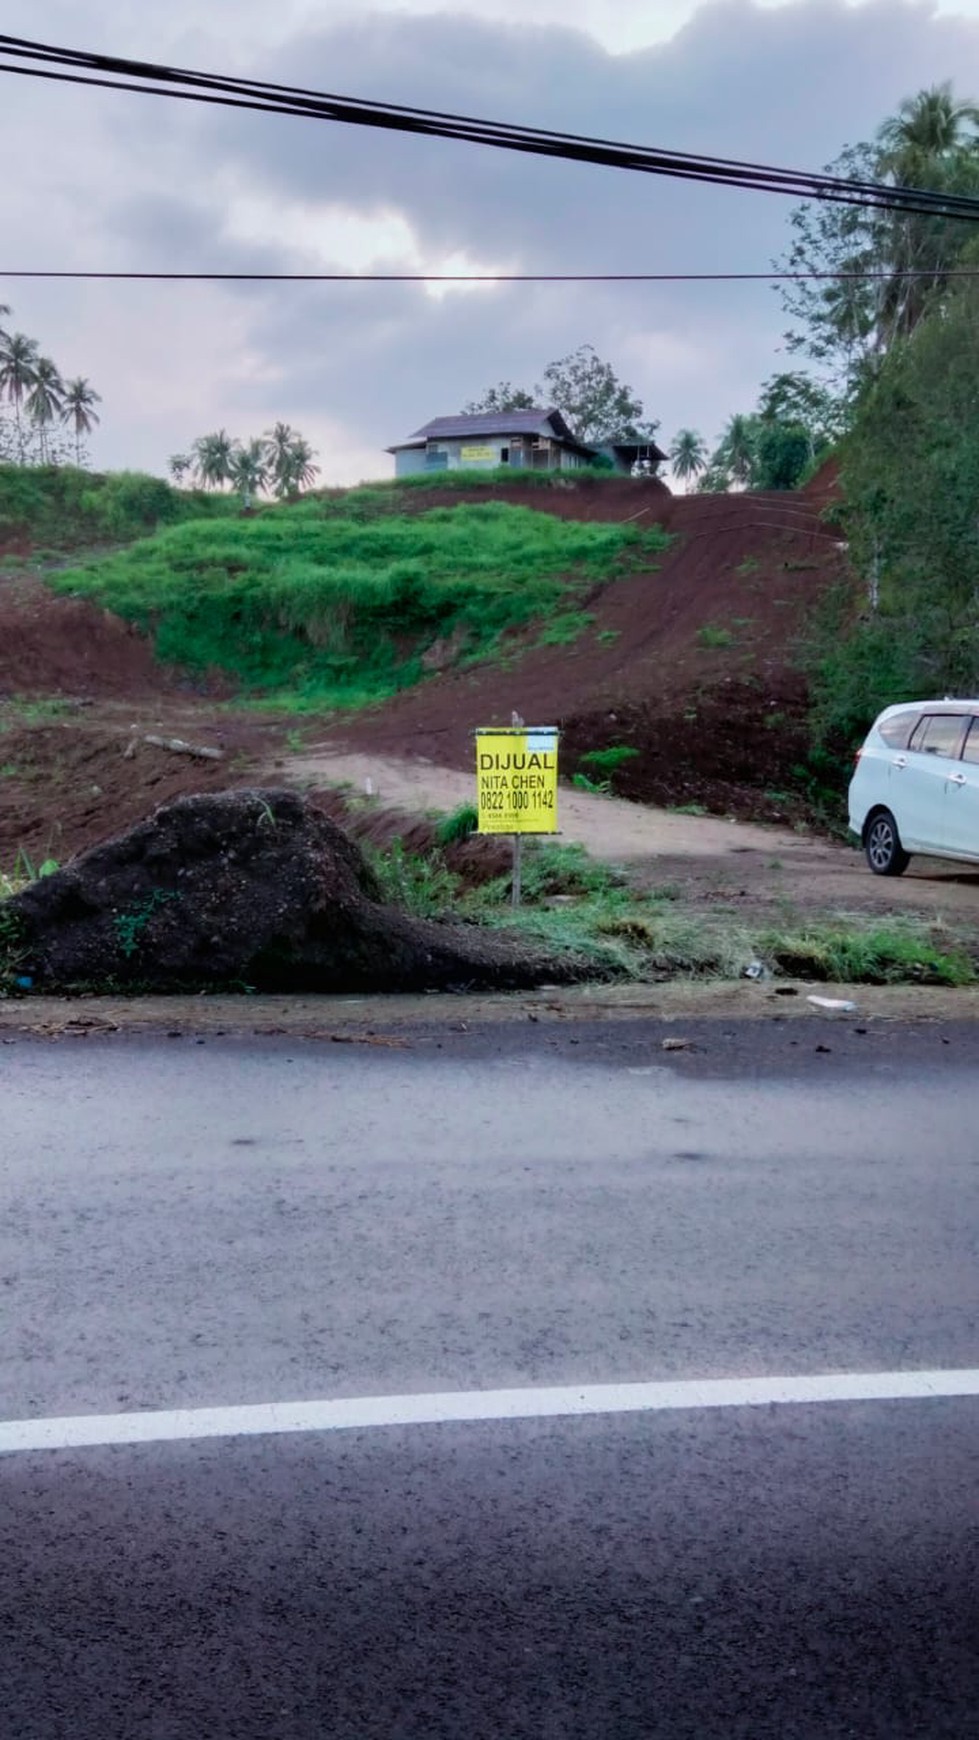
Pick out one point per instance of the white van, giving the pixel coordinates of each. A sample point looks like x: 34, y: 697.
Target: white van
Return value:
x: 916, y: 785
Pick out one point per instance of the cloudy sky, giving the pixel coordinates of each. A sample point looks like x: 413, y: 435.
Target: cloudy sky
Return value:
x: 129, y: 182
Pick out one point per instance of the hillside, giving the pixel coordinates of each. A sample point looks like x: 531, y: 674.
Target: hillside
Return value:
x: 626, y: 615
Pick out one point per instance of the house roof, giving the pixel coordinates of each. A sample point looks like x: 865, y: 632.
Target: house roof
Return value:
x: 537, y: 421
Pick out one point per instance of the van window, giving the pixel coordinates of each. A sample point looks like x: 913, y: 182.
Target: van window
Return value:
x: 897, y: 730
x: 971, y: 750
x: 939, y: 734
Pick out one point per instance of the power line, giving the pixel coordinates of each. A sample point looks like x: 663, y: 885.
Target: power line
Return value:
x: 485, y: 277
x: 47, y: 61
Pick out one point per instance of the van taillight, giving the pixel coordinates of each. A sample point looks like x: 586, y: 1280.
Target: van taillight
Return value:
x: 856, y: 757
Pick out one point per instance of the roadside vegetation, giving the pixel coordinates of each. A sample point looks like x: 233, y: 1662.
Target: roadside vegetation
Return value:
x: 571, y: 902
x: 318, y: 608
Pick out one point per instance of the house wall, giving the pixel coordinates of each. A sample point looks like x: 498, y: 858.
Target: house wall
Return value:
x: 408, y: 460
x: 483, y: 454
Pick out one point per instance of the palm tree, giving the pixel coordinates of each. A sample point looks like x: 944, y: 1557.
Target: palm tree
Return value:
x: 78, y: 408
x: 930, y: 142
x: 930, y: 125
x: 18, y: 364
x: 301, y: 471
x: 290, y: 460
x: 179, y: 464
x: 737, y: 448
x: 249, y: 469
x: 212, y: 458
x: 688, y: 455
x: 293, y: 468
x: 45, y: 400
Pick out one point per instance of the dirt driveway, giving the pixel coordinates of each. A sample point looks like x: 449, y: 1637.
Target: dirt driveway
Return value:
x: 710, y: 862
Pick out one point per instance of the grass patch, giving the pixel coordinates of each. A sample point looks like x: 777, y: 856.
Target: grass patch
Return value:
x: 857, y: 953
x: 608, y: 760
x: 712, y: 634
x: 566, y: 627
x: 578, y: 904
x: 316, y: 604
x: 458, y: 825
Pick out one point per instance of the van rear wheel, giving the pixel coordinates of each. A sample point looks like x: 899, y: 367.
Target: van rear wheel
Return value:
x: 882, y: 844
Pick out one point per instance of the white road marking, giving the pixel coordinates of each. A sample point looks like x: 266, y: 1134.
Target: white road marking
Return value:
x: 359, y: 1413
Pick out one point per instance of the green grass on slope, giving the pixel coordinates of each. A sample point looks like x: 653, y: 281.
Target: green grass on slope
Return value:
x: 330, y: 610
x: 64, y: 508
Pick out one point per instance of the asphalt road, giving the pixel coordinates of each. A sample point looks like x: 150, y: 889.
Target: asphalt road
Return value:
x: 186, y: 1227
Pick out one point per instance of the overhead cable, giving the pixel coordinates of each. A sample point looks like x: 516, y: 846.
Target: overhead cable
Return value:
x: 48, y: 61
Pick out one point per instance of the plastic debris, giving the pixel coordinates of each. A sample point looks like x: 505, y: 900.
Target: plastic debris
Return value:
x: 840, y: 1005
x: 756, y: 970
x: 678, y: 1045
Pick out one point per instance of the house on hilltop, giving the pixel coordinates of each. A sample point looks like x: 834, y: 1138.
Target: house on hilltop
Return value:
x: 536, y: 440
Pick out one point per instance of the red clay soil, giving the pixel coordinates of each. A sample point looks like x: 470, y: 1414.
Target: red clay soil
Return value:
x: 67, y: 646
x: 569, y: 498
x: 719, y: 725
x: 744, y: 571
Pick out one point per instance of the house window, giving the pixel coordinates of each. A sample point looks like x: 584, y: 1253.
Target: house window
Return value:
x: 504, y: 455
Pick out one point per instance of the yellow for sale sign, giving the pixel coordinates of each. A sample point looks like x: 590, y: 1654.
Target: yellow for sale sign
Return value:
x: 516, y: 780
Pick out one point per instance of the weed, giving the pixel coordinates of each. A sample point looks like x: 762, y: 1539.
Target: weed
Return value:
x: 458, y: 825
x: 583, y: 783
x: 24, y: 871
x: 749, y: 566
x: 691, y: 809
x: 129, y: 926
x: 13, y: 954
x: 608, y: 636
x: 850, y: 952
x: 565, y: 628
x: 608, y: 760
x: 713, y: 635
x: 420, y: 882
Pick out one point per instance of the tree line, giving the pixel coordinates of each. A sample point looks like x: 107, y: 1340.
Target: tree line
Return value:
x: 42, y: 402
x: 880, y: 275
x: 279, y: 463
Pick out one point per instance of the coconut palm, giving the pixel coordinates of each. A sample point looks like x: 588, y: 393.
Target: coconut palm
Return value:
x: 688, y: 455
x: 212, y: 458
x: 18, y: 364
x: 45, y: 400
x: 737, y: 449
x: 294, y: 469
x: 249, y: 468
x: 179, y: 464
x: 928, y: 126
x: 78, y: 409
x: 290, y: 460
x: 930, y: 142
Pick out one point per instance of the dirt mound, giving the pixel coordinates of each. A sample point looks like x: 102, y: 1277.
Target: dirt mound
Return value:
x: 66, y: 646
x: 255, y: 888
